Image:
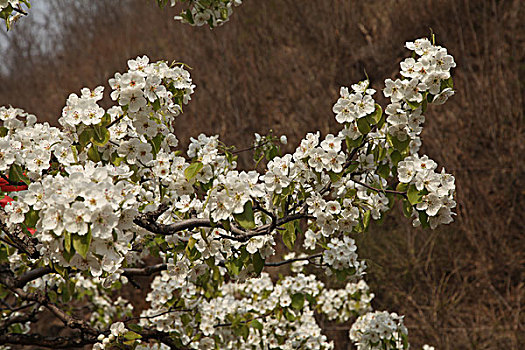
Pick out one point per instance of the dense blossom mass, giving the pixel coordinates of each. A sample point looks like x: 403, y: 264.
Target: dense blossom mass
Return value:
x: 213, y: 13
x: 110, y: 193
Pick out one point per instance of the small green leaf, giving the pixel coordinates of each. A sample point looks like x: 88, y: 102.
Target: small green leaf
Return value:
x: 297, y: 301
x: 423, y: 218
x: 156, y: 105
x: 31, y: 218
x: 258, y: 263
x: 414, y: 196
x: 93, y: 154
x: 401, y: 187
x: 289, y: 316
x: 85, y: 137
x: 401, y: 146
x: 407, y: 208
x: 81, y: 243
x: 134, y: 327
x: 192, y: 171
x: 69, y: 250
x: 289, y: 235
x: 353, y: 166
x: 448, y: 83
x: 130, y: 335
x: 246, y: 219
x: 396, y: 157
x: 366, y: 219
x: 353, y: 143
x: 100, y: 136
x: 256, y: 324
x: 413, y: 105
x: 155, y: 142
x: 376, y: 115
x: 16, y: 174
x: 383, y: 170
x: 363, y: 125
x: 334, y: 177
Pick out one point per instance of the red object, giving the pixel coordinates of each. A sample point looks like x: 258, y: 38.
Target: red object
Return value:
x: 4, y: 201
x: 5, y: 186
x: 31, y: 230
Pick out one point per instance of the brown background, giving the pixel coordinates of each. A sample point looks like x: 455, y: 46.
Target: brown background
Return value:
x: 279, y: 64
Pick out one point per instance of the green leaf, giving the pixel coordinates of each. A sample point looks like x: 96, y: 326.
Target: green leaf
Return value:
x: 407, y: 208
x: 246, y: 219
x: 353, y: 143
x: 85, y: 137
x: 67, y: 241
x: 297, y: 301
x: 16, y: 174
x: 448, y: 83
x: 186, y: 319
x: 401, y: 187
x: 256, y: 324
x: 130, y: 335
x: 366, y: 219
x: 192, y: 171
x: 413, y: 105
x: 156, y: 105
x: 100, y: 136
x: 383, y: 170
x: 341, y: 275
x: 69, y: 250
x: 376, y: 115
x: 334, y: 177
x: 289, y: 316
x: 401, y: 146
x: 31, y: 218
x: 396, y: 157
x: 363, y: 125
x: 81, y: 243
x: 423, y: 218
x: 93, y: 154
x: 155, y: 142
x: 353, y: 166
x: 258, y: 263
x: 3, y: 131
x: 289, y: 235
x: 414, y: 196
x: 134, y: 327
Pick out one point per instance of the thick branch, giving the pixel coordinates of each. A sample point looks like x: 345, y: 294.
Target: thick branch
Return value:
x: 32, y: 275
x: 144, y: 271
x: 38, y: 340
x: 148, y: 222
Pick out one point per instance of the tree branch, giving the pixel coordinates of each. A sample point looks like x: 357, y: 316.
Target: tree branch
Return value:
x: 289, y: 261
x: 404, y: 194
x: 144, y: 271
x: 38, y: 340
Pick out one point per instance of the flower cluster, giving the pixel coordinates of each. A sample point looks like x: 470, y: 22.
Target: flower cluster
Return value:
x: 82, y: 217
x: 343, y: 304
x: 212, y: 12
x: 425, y: 80
x: 379, y: 330
x: 253, y: 303
x: 354, y: 105
x: 30, y: 145
x: 436, y: 190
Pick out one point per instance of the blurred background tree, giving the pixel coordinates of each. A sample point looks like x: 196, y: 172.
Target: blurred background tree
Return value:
x: 279, y: 64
